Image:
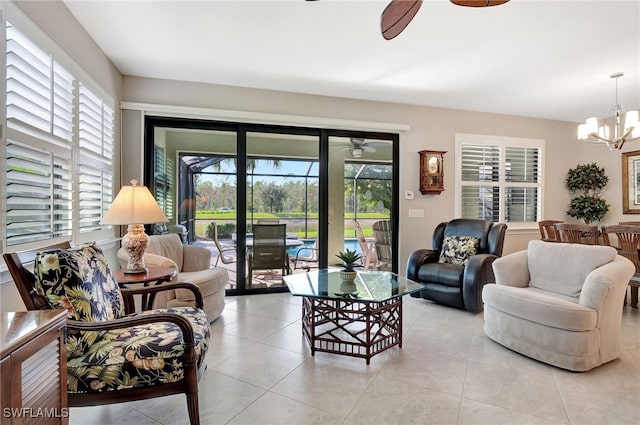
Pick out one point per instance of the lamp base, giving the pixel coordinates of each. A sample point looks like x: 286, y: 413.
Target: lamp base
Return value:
x: 136, y: 271
x: 135, y: 243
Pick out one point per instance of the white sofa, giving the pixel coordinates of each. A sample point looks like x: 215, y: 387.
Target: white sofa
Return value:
x: 193, y: 265
x: 559, y: 303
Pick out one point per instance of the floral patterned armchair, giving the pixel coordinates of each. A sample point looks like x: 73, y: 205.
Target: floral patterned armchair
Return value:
x: 114, y: 355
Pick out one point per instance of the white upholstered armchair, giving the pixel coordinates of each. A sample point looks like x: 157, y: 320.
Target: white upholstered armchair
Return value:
x: 559, y: 303
x: 193, y: 265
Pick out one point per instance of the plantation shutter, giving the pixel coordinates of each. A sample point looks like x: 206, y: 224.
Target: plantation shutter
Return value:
x: 40, y: 97
x: 480, y: 175
x: 38, y: 194
x: 95, y: 159
x: 522, y: 172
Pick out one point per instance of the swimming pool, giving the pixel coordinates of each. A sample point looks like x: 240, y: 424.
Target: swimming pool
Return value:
x: 351, y: 244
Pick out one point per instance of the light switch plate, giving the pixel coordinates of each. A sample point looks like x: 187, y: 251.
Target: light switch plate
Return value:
x: 408, y: 194
x: 416, y: 213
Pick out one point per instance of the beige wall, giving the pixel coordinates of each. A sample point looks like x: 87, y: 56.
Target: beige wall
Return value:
x: 60, y: 25
x: 430, y: 128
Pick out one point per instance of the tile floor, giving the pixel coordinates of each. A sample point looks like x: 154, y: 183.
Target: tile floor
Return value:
x: 260, y: 371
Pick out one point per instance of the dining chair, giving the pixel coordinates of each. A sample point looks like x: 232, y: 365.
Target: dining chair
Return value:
x: 627, y: 244
x: 578, y: 233
x: 548, y: 231
x: 382, y: 236
x: 367, y: 247
x: 629, y: 223
x: 114, y: 355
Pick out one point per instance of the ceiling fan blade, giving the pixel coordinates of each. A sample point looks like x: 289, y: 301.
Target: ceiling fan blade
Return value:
x: 368, y: 148
x: 378, y: 144
x: 396, y: 16
x: 478, y: 3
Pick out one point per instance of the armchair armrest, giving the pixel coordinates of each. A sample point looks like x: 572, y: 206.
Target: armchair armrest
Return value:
x: 156, y: 260
x: 418, y: 258
x: 600, y: 285
x: 512, y: 270
x: 143, y: 319
x: 477, y: 273
x: 195, y: 258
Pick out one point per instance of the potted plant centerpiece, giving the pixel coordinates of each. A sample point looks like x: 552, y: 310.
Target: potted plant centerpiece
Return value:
x: 348, y: 260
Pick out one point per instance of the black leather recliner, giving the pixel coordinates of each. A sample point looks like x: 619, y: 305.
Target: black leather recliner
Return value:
x: 452, y: 284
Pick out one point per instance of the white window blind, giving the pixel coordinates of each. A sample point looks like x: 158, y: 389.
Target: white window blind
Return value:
x: 500, y: 178
x: 38, y: 194
x: 59, y: 144
x: 95, y: 159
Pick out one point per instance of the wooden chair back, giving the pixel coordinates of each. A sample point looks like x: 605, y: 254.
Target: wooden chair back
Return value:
x: 629, y: 223
x: 24, y: 278
x: 627, y: 240
x: 382, y: 235
x: 548, y: 231
x: 578, y: 233
x: 367, y: 248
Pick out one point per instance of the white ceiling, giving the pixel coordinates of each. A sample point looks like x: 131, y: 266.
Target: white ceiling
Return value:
x: 547, y: 59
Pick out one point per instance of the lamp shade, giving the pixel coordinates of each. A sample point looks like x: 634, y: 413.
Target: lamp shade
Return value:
x: 134, y: 205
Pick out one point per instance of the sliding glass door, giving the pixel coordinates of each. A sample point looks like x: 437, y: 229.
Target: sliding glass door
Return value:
x: 312, y: 186
x: 282, y: 185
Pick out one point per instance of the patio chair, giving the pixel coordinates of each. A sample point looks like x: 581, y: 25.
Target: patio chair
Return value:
x: 382, y: 235
x: 268, y: 221
x: 226, y: 254
x: 114, y: 355
x: 367, y: 247
x: 268, y: 251
x: 306, y: 257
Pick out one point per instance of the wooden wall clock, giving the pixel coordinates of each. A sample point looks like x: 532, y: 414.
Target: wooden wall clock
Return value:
x: 431, y: 171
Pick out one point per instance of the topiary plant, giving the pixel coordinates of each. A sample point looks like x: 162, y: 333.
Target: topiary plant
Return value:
x: 587, y: 180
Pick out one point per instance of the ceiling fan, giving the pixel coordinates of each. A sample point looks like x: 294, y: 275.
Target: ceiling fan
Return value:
x: 397, y: 15
x: 358, y: 146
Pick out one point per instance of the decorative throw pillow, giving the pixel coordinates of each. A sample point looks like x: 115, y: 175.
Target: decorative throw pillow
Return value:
x: 458, y: 249
x: 80, y: 281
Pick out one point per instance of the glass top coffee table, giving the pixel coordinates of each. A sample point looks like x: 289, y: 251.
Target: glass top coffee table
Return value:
x: 359, y: 319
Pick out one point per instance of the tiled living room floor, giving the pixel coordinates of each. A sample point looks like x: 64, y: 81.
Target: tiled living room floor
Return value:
x: 447, y: 372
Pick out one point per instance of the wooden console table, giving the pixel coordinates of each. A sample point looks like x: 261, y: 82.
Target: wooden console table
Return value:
x: 33, y: 365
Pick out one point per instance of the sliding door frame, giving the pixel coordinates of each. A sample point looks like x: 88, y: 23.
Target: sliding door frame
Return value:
x: 241, y: 129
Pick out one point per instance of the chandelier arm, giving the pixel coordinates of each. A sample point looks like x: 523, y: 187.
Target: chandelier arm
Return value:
x: 626, y: 134
x: 597, y: 136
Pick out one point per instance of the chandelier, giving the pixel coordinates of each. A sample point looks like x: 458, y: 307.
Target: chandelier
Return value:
x: 592, y: 132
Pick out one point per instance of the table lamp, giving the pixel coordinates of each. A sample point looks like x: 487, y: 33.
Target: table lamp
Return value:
x: 134, y: 206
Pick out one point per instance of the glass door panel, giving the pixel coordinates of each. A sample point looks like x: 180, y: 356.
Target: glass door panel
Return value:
x: 360, y: 194
x: 282, y: 190
x: 195, y: 182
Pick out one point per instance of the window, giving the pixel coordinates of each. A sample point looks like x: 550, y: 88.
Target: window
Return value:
x: 500, y: 178
x: 58, y: 143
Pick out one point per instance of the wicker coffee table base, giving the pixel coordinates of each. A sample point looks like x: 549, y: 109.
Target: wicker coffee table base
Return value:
x: 352, y: 327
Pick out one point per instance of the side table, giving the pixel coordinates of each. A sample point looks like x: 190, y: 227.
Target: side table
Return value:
x: 154, y: 276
